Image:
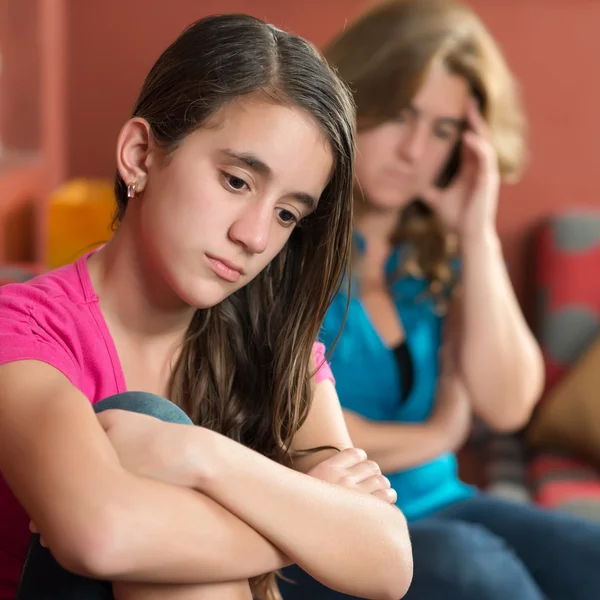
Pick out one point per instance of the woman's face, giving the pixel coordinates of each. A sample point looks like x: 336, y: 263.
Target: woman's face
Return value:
x: 218, y: 211
x: 400, y: 159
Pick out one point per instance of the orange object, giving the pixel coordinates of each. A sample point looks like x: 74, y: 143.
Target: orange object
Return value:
x: 79, y: 219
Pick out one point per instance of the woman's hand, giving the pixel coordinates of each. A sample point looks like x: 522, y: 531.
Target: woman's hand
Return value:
x: 468, y: 206
x: 153, y: 448
x: 351, y: 469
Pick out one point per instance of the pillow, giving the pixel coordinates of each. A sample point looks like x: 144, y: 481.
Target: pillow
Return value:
x: 79, y: 217
x: 569, y: 417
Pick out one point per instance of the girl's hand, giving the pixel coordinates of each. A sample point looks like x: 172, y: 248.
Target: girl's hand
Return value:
x: 468, y: 206
x: 351, y: 469
x: 153, y: 448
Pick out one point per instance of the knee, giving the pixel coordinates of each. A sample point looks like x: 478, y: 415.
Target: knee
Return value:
x: 144, y: 403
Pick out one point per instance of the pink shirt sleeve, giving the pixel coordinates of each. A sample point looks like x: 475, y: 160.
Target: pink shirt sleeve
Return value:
x: 31, y: 331
x: 323, y: 368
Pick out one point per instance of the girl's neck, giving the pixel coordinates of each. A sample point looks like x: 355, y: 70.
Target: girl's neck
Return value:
x: 133, y: 298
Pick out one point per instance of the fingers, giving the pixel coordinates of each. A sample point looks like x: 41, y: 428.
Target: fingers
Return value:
x: 375, y: 483
x: 366, y: 477
x: 476, y: 121
x: 347, y: 458
x: 478, y: 136
x: 483, y: 153
x: 360, y: 474
x: 364, y: 470
x: 478, y: 144
x: 388, y: 495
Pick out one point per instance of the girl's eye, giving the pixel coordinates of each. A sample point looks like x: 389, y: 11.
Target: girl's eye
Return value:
x: 235, y: 183
x: 286, y: 217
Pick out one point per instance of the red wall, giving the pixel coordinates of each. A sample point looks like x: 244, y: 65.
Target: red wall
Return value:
x: 553, y: 46
x: 32, y: 124
x: 113, y: 47
x: 20, y: 76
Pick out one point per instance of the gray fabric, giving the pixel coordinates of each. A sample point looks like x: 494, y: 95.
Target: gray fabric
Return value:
x: 15, y: 274
x: 588, y: 509
x: 567, y: 332
x: 577, y: 231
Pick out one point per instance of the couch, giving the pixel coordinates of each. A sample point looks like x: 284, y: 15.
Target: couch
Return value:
x: 567, y: 321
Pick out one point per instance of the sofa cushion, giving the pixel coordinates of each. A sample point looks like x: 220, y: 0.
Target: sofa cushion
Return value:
x: 568, y: 289
x: 568, y: 313
x: 569, y: 417
x: 565, y: 483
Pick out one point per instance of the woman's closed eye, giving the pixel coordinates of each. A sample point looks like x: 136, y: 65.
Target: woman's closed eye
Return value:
x: 234, y: 183
x: 446, y: 133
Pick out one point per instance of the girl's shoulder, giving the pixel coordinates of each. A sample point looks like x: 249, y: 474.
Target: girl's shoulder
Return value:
x: 48, y: 319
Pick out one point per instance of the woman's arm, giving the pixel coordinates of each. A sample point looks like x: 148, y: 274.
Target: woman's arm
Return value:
x: 400, y: 446
x: 102, y: 521
x: 98, y: 519
x: 324, y: 426
x: 497, y: 354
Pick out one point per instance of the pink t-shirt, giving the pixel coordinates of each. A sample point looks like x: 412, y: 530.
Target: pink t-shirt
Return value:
x: 55, y: 318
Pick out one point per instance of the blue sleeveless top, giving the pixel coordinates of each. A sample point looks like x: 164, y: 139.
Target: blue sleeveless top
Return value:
x: 368, y: 383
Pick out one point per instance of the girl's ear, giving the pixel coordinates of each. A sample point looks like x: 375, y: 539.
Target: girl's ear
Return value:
x: 134, y: 147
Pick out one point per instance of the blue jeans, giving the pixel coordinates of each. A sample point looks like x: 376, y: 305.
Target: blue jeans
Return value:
x: 489, y: 549
x: 43, y: 578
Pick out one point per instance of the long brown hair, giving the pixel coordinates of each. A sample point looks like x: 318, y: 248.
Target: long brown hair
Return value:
x: 384, y: 57
x: 246, y: 365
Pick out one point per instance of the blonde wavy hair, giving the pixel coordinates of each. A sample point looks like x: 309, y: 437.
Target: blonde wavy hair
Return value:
x: 384, y: 57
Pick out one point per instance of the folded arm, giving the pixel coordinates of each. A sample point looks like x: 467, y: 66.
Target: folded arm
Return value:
x: 102, y: 521
x: 98, y: 519
x: 348, y: 540
x: 397, y: 446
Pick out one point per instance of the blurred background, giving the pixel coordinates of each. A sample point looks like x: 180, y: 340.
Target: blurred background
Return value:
x: 70, y: 70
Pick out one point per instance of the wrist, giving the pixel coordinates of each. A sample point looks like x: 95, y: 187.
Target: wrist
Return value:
x: 484, y: 240
x: 487, y: 235
x: 202, y: 457
x: 217, y: 459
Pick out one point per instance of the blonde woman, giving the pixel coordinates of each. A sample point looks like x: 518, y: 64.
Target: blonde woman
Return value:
x: 434, y: 332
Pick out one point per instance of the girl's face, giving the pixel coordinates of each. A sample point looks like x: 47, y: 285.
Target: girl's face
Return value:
x: 215, y: 213
x: 398, y: 160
